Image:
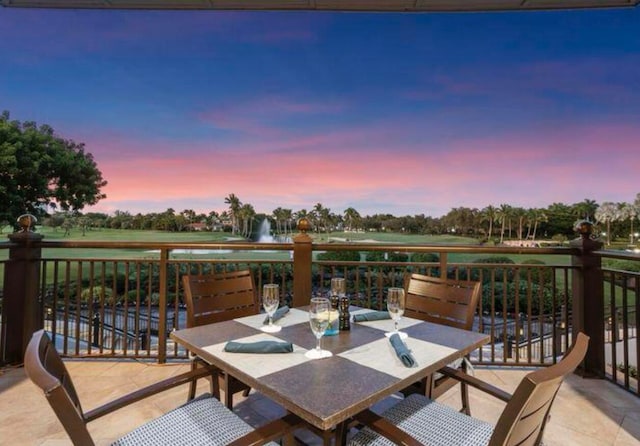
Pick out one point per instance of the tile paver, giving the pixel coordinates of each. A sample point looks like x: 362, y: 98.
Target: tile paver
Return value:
x: 586, y: 411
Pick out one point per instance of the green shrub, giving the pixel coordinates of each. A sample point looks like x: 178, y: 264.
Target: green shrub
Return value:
x: 537, y: 274
x: 94, y: 295
x: 340, y: 256
x: 500, y: 273
x: 541, y: 300
x: 379, y: 256
x: 425, y: 257
x: 632, y: 370
x: 494, y: 259
x: 623, y: 265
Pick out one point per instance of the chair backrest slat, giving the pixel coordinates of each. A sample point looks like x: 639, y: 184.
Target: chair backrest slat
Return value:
x: 447, y: 302
x: 219, y: 297
x: 46, y: 369
x: 524, y: 417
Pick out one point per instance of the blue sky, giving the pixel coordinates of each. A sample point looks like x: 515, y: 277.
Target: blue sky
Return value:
x: 399, y: 113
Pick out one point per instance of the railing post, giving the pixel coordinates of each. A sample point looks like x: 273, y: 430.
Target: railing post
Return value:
x: 162, y: 307
x: 302, y: 259
x: 96, y: 330
x: 588, y: 299
x: 22, y: 312
x: 444, y: 268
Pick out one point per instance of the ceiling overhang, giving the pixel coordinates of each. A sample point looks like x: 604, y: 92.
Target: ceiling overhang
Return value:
x: 328, y: 5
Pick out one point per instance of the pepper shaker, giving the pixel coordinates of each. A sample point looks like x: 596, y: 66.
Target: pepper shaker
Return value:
x: 345, y: 316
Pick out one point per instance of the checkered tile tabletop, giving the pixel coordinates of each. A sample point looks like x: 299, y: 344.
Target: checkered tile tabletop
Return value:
x: 363, y: 369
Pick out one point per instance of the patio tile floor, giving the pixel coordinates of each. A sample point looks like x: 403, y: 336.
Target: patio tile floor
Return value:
x: 586, y: 411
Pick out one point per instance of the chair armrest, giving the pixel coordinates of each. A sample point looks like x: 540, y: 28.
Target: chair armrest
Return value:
x: 145, y: 392
x: 271, y: 431
x: 385, y: 428
x: 477, y: 383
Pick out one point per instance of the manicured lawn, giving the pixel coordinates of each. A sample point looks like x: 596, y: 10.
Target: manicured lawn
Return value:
x: 203, y: 237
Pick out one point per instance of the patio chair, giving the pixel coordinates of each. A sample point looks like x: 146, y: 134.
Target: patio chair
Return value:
x: 214, y: 298
x: 417, y: 420
x: 447, y: 302
x: 201, y: 421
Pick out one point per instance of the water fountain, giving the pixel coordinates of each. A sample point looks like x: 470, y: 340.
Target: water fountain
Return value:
x: 264, y: 233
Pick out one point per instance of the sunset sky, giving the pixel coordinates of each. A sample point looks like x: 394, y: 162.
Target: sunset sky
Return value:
x: 386, y: 113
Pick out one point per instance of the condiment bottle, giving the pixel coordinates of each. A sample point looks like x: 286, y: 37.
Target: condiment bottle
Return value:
x: 345, y: 316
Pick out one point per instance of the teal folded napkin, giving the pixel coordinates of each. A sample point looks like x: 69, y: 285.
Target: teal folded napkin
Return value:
x: 402, y: 351
x: 258, y: 347
x: 280, y: 312
x: 371, y: 316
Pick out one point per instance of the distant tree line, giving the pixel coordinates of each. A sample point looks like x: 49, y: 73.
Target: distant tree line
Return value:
x: 493, y: 223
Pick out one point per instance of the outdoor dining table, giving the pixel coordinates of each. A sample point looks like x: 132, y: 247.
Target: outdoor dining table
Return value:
x: 363, y: 370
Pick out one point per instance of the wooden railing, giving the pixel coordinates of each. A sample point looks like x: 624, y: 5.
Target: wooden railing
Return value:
x: 621, y: 323
x: 117, y: 307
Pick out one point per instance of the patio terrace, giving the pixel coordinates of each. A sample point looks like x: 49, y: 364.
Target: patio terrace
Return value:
x: 586, y: 411
x: 111, y: 332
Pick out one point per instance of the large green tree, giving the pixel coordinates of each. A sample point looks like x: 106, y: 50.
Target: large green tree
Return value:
x: 39, y: 169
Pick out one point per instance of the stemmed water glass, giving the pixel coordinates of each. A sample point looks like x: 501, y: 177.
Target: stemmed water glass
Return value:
x: 395, y: 306
x: 319, y: 320
x: 270, y: 302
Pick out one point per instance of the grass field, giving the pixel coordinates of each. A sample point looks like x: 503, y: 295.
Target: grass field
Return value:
x: 114, y: 235
x: 118, y: 235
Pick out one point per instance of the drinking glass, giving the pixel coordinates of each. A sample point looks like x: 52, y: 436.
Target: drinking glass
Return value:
x: 270, y: 302
x: 318, y: 320
x: 395, y: 306
x: 338, y: 286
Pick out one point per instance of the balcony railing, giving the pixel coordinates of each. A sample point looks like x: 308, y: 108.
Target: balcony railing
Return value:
x: 125, y: 307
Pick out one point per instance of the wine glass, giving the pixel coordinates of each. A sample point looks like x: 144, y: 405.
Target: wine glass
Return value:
x: 319, y: 320
x: 395, y: 306
x: 270, y: 302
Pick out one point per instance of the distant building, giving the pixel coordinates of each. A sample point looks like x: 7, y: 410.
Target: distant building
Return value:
x: 197, y: 227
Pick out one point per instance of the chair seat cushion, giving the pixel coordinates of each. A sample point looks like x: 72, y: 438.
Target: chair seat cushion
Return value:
x: 430, y: 423
x: 202, y: 421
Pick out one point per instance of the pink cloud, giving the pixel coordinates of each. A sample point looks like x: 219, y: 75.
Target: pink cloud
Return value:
x: 258, y: 116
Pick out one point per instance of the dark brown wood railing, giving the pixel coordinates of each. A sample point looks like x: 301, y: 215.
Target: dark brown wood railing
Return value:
x: 125, y: 307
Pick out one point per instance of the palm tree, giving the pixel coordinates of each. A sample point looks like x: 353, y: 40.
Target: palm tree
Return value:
x: 629, y: 211
x: 327, y: 218
x: 538, y: 216
x: 351, y: 218
x: 234, y: 206
x: 489, y: 214
x: 606, y: 213
x: 636, y: 206
x: 287, y: 216
x: 585, y: 209
x: 277, y: 216
x: 520, y: 214
x: 317, y: 215
x: 213, y: 219
x: 246, y: 215
x: 504, y: 214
